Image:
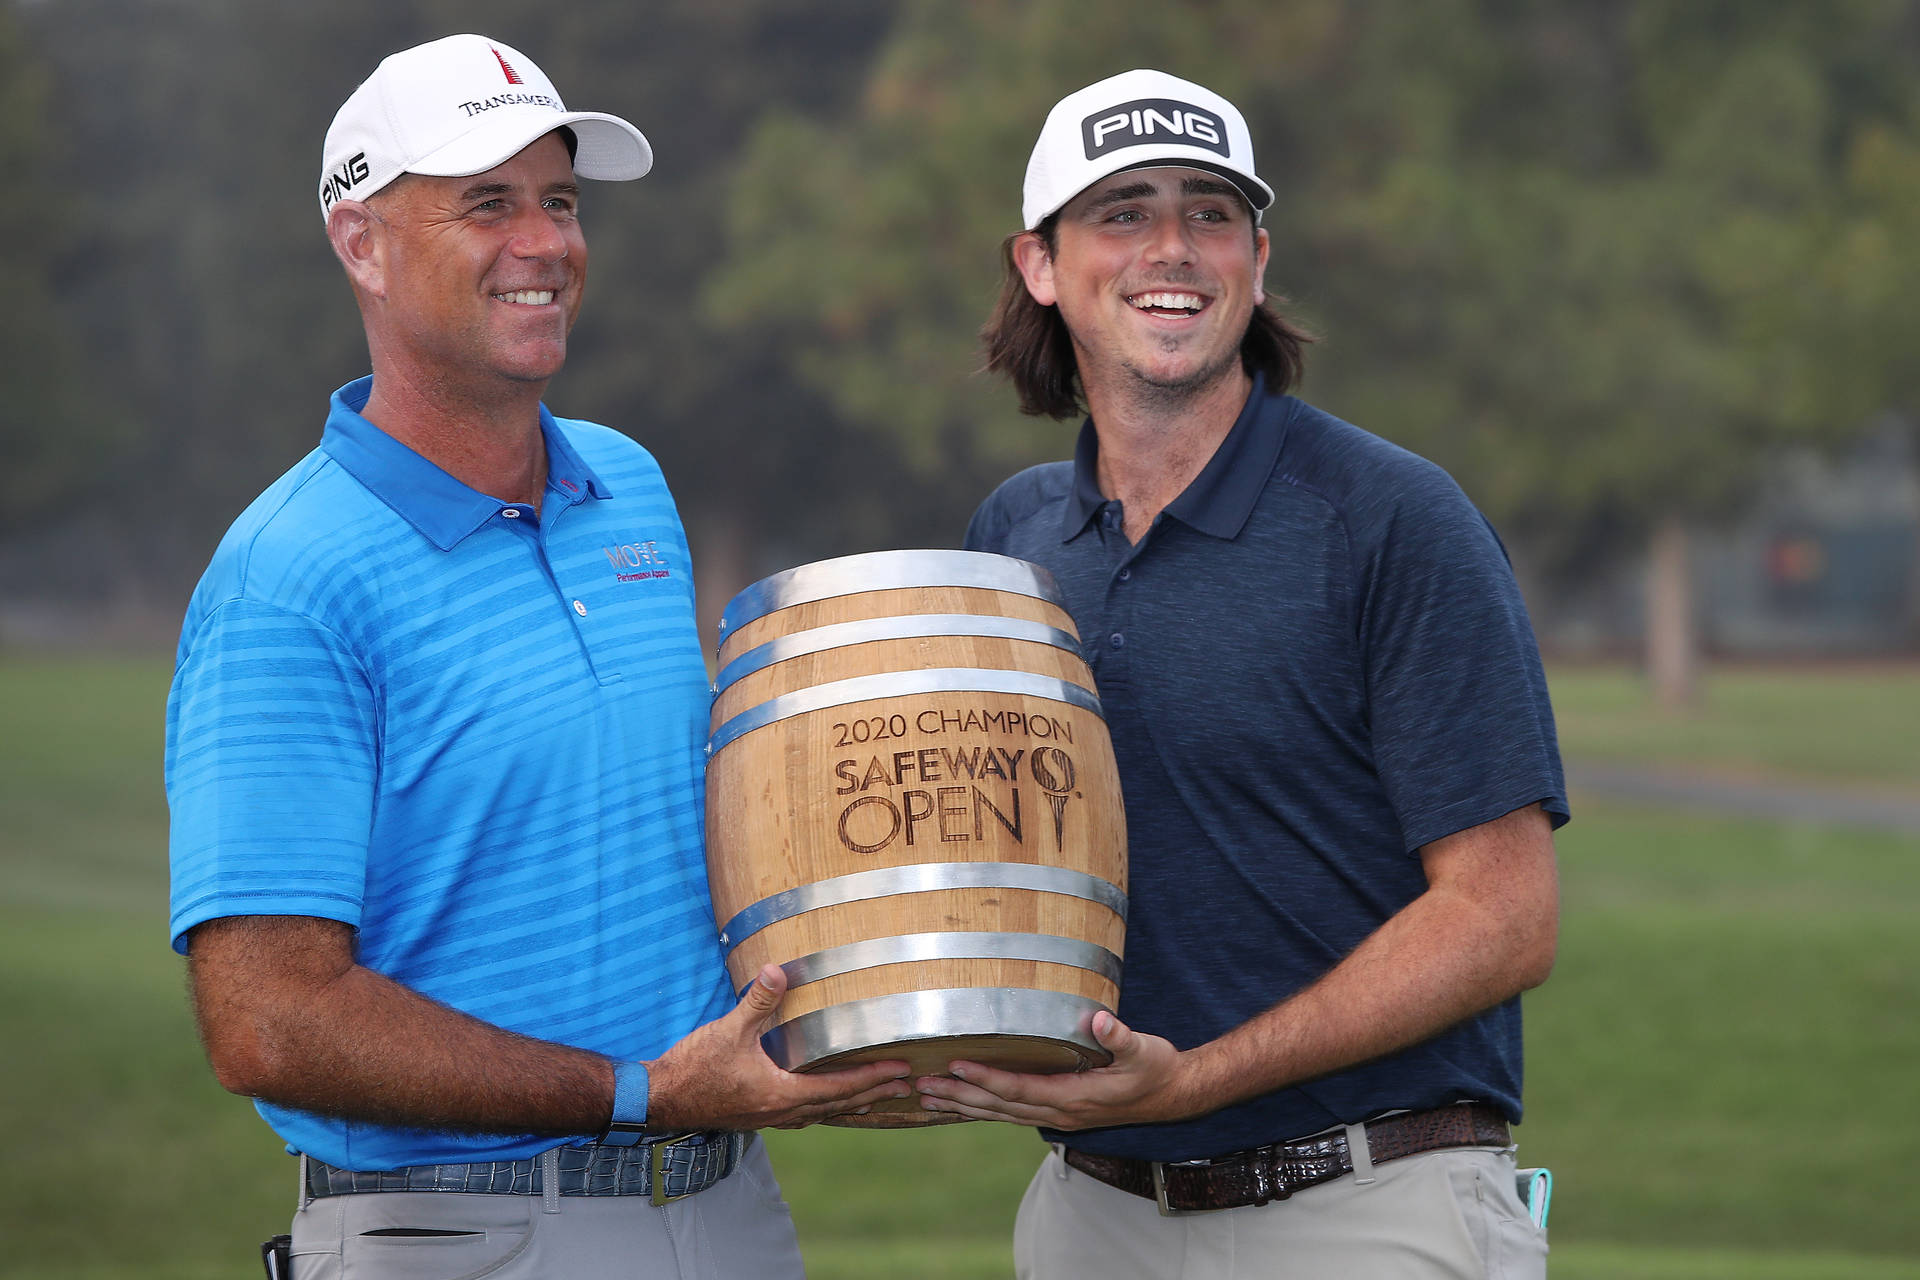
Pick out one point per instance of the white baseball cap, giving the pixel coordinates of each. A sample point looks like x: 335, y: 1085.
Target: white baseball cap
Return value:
x: 458, y: 106
x: 1137, y: 120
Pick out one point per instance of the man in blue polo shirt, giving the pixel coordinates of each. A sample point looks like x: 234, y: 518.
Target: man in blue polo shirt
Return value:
x: 435, y: 757
x: 1333, y: 737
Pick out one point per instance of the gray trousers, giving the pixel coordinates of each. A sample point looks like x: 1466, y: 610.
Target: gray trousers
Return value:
x: 737, y: 1228
x: 1445, y: 1214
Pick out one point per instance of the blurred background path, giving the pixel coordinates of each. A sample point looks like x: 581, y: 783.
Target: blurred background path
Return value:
x: 1823, y: 804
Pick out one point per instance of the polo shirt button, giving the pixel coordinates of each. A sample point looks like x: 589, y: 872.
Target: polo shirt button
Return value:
x: 510, y: 513
x: 579, y: 608
x: 1117, y: 640
x: 1125, y: 574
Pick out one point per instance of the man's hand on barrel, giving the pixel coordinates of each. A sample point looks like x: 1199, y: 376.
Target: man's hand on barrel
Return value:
x: 1141, y: 1085
x: 718, y: 1076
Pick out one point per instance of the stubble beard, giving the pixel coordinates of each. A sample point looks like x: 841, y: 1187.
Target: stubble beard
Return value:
x: 1167, y: 394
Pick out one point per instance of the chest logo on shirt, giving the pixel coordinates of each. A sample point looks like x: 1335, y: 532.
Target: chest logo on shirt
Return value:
x: 637, y: 561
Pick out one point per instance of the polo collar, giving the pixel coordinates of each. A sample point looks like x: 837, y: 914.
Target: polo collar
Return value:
x: 1084, y: 503
x: 1222, y: 496
x: 443, y: 509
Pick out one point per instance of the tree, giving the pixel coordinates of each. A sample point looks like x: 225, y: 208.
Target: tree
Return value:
x: 54, y: 438
x: 215, y: 318
x: 1630, y: 360
x: 1571, y: 251
x: 864, y: 245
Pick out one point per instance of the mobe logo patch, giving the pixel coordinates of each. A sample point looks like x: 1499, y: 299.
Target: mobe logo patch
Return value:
x: 1151, y: 120
x: 637, y: 561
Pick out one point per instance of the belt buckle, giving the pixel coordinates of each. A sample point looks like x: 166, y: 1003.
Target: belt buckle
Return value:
x: 1268, y: 1184
x: 1159, y: 1168
x: 657, y: 1171
x: 1160, y: 1190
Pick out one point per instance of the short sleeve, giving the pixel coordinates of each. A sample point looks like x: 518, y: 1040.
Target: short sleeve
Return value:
x: 272, y: 764
x: 987, y: 531
x: 1461, y: 724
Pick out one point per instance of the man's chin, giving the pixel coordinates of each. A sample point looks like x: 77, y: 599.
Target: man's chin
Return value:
x: 1181, y: 380
x: 535, y: 367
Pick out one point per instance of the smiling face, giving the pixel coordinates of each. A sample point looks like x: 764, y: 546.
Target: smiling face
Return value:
x: 1155, y: 273
x: 481, y: 277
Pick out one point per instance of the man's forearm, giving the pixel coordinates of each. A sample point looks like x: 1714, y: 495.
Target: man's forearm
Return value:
x: 1484, y: 931
x: 287, y: 1017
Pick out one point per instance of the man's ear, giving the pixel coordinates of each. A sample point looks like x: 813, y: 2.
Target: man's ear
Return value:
x: 1261, y: 247
x: 358, y: 237
x: 1036, y: 266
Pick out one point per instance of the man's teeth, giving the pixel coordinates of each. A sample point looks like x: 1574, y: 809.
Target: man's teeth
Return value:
x: 1167, y: 301
x: 528, y: 297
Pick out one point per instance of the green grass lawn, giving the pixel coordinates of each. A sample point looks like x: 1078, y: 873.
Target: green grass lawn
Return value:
x: 1850, y: 725
x: 1721, y: 1071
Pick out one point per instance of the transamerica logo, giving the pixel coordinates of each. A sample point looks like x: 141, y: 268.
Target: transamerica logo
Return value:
x: 637, y: 561
x: 511, y: 100
x: 1151, y: 119
x: 513, y: 77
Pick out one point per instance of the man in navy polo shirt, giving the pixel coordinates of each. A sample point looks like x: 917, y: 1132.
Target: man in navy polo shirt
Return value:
x: 1334, y: 741
x: 435, y: 758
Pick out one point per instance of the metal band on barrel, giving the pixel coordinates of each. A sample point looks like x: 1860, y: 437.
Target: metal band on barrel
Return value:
x: 908, y: 947
x: 888, y: 571
x: 935, y: 1015
x: 892, y: 684
x: 904, y: 627
x: 919, y: 877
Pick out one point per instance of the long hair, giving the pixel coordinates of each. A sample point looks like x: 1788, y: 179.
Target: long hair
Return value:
x: 1030, y: 343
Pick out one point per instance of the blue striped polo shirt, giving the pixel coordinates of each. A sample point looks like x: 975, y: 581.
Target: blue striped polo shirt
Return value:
x: 475, y: 735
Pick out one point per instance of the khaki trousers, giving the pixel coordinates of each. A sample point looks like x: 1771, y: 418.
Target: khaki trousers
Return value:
x: 1452, y: 1214
x: 738, y: 1227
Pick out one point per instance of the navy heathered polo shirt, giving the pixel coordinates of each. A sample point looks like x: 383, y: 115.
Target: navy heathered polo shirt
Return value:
x: 1315, y: 662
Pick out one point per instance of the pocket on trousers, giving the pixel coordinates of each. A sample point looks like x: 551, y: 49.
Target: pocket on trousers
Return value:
x: 426, y: 1237
x: 757, y: 1172
x: 1510, y: 1245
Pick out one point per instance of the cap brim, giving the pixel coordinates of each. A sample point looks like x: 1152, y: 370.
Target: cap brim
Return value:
x: 609, y: 149
x: 1258, y: 193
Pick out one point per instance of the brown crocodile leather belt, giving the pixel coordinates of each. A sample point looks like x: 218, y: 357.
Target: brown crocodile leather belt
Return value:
x: 1264, y: 1174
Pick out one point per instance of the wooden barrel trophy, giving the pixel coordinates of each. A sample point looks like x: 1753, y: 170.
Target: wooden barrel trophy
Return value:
x: 912, y: 807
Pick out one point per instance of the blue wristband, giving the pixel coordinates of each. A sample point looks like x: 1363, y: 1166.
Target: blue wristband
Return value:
x: 629, y: 1105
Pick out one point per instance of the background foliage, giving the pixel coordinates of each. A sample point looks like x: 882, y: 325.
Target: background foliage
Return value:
x: 1594, y: 256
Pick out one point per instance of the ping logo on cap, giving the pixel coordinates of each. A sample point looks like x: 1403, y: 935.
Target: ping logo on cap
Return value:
x: 352, y: 172
x: 1151, y: 119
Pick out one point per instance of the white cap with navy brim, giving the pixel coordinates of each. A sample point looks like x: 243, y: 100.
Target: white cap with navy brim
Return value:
x: 1137, y: 120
